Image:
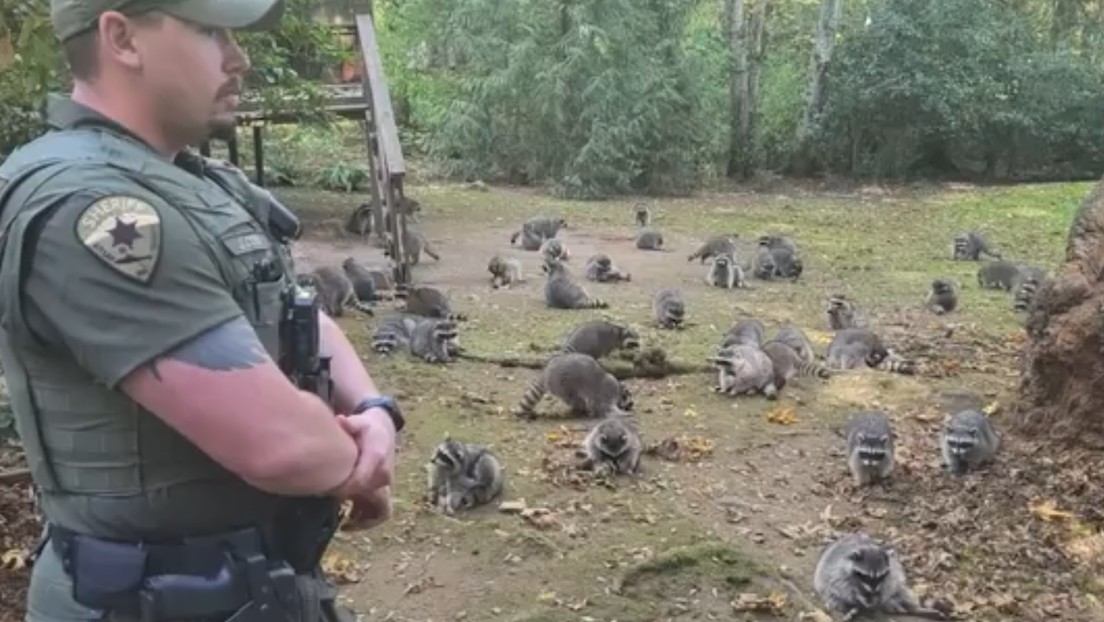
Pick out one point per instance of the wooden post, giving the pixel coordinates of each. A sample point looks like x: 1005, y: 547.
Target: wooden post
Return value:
x: 258, y: 152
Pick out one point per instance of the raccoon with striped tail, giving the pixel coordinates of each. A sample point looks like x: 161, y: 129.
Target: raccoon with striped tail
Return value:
x: 969, y: 246
x: 563, y: 292
x: 797, y: 340
x: 787, y: 364
x: 856, y: 575
x: 601, y: 269
x: 613, y: 445
x: 505, y: 271
x: 335, y: 291
x: 857, y: 348
x: 744, y: 370
x: 580, y: 382
x: 870, y: 447
x: 599, y: 338
x: 714, y: 247
x: 668, y: 309
x: 414, y: 244
x: 462, y: 476
x: 725, y: 273
x: 968, y: 442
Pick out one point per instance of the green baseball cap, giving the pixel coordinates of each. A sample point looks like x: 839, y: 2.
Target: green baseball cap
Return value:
x: 72, y: 17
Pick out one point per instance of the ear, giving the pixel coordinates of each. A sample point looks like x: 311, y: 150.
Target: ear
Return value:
x: 117, y: 33
x: 855, y: 556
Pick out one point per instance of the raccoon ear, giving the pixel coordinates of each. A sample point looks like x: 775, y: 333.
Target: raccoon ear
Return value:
x: 855, y: 556
x: 885, y: 438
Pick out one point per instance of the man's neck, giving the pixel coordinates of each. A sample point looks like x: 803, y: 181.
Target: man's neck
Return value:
x: 127, y: 115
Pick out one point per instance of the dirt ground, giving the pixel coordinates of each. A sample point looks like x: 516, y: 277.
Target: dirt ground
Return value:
x: 730, y: 524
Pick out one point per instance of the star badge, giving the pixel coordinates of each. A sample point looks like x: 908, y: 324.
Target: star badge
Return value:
x: 125, y: 233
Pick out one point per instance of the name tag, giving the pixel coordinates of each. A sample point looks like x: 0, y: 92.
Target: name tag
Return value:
x: 247, y: 243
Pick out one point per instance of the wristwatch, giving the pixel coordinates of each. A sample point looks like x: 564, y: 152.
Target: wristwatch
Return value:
x: 387, y: 403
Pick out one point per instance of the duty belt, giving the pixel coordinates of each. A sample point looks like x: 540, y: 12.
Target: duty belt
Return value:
x: 226, y: 576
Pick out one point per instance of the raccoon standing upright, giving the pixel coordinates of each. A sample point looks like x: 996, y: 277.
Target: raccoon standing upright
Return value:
x: 724, y: 272
x: 642, y: 215
x: 870, y: 447
x: 858, y: 575
x: 969, y: 442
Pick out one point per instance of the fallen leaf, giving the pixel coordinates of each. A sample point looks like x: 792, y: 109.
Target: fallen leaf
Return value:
x: 1048, y: 511
x: 13, y: 559
x: 774, y: 603
x: 512, y: 507
x: 782, y: 415
x: 991, y: 409
x: 342, y: 570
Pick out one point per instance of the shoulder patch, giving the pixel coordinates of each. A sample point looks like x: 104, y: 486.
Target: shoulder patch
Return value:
x: 125, y: 233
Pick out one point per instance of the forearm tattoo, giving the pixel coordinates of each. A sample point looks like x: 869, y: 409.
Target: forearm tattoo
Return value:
x: 228, y: 346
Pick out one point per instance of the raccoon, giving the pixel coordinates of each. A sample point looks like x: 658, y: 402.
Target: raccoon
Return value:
x: 943, y: 296
x: 715, y: 246
x: 545, y: 227
x: 764, y: 267
x: 747, y: 332
x: 360, y: 220
x: 613, y: 445
x: 393, y: 333
x: 600, y: 268
x: 744, y: 369
x: 969, y: 441
x: 649, y: 240
x: 414, y: 244
x: 642, y: 215
x: 724, y: 272
x: 796, y: 339
x: 870, y: 453
x: 554, y: 248
x: 430, y: 302
x: 368, y: 283
x: 773, y: 241
x: 855, y: 348
x: 529, y: 241
x: 787, y: 265
x: 434, y: 340
x: 505, y: 271
x: 1025, y: 294
x: 999, y: 274
x: 335, y: 291
x: 581, y: 383
x: 788, y: 364
x: 562, y: 292
x: 463, y: 476
x: 668, y: 308
x: 599, y: 338
x: 969, y: 246
x: 842, y: 314
x: 857, y: 575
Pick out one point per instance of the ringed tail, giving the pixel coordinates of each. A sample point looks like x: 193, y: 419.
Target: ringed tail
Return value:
x: 532, y: 396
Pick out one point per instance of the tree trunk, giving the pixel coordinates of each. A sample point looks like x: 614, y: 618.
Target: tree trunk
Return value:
x: 1063, y: 367
x: 816, y: 94
x: 736, y: 35
x: 756, y: 44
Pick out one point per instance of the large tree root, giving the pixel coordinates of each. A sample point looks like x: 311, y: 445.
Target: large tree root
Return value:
x: 1063, y: 366
x: 652, y: 364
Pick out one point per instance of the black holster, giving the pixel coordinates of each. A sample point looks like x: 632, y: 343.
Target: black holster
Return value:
x: 226, y: 577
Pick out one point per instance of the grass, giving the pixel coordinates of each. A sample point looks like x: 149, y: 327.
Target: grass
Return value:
x: 663, y: 537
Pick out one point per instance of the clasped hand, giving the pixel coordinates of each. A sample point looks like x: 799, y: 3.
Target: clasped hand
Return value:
x: 369, y: 486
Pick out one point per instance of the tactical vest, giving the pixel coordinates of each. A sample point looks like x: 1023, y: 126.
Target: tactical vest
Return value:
x: 104, y: 465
